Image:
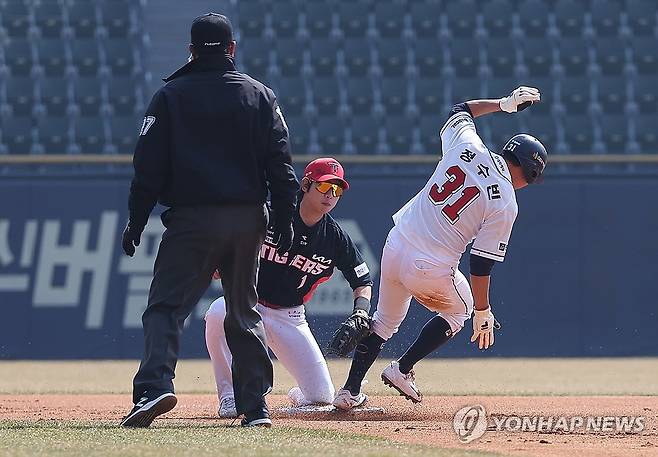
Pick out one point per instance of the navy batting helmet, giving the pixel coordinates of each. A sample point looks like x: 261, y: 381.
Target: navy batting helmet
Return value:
x: 530, y: 155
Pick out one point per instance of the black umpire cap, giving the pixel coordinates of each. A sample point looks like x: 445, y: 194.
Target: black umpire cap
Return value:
x: 211, y: 33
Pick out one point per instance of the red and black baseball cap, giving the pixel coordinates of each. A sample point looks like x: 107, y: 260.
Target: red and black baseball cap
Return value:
x: 211, y: 33
x: 326, y: 169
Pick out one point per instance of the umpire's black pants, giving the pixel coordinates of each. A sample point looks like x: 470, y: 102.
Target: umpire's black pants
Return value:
x: 198, y: 240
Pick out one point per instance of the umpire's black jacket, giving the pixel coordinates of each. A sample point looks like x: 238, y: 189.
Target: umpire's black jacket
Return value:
x: 212, y: 136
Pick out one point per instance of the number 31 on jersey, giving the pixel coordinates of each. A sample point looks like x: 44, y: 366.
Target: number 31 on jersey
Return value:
x: 439, y: 195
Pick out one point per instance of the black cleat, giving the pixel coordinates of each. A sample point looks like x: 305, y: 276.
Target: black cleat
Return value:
x: 258, y: 418
x: 148, y: 408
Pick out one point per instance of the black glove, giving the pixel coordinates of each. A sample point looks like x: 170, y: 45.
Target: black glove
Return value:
x: 286, y: 236
x: 350, y: 332
x: 131, y: 238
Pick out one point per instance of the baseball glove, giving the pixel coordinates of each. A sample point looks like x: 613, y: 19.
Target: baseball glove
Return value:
x: 350, y: 332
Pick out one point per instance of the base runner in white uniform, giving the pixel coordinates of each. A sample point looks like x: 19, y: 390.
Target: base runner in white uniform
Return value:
x: 470, y: 196
x: 287, y: 282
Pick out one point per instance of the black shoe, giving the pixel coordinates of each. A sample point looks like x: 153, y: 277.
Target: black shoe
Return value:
x: 257, y: 418
x: 148, y: 408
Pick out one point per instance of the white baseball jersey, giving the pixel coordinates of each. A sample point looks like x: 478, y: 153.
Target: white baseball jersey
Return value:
x: 469, y: 196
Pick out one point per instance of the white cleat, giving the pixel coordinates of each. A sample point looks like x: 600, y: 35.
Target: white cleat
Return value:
x: 403, y: 383
x: 345, y: 400
x: 227, y: 408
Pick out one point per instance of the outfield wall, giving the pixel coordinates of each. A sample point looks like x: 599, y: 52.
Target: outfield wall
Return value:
x: 579, y: 279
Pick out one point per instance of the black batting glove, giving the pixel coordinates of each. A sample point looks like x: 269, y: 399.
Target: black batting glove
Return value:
x: 286, y: 237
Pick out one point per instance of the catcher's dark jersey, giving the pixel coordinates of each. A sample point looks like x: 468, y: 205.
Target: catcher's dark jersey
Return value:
x: 290, y: 280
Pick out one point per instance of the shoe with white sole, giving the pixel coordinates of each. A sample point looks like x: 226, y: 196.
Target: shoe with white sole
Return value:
x: 148, y: 408
x: 227, y: 408
x: 405, y: 384
x: 257, y: 418
x: 345, y: 400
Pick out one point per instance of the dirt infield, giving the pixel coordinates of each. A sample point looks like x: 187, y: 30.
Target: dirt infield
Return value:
x: 429, y: 423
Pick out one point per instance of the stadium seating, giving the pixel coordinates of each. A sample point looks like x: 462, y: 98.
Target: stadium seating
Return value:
x: 360, y: 66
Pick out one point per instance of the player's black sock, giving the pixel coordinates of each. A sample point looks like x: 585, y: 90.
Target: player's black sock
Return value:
x: 364, y: 356
x: 436, y: 332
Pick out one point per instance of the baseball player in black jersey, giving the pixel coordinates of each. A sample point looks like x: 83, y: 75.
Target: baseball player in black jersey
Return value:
x: 286, y: 282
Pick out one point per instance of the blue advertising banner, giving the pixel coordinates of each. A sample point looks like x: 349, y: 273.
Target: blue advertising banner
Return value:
x: 578, y: 279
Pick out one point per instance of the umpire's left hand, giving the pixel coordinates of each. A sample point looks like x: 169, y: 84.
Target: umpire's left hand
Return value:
x: 131, y: 238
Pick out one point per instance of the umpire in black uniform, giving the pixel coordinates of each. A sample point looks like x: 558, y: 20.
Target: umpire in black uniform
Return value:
x: 212, y: 144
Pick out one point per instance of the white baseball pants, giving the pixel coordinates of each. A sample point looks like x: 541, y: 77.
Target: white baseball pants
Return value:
x: 291, y: 340
x: 407, y: 272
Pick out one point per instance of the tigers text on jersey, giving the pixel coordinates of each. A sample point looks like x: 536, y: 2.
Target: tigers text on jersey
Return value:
x: 469, y: 196
x: 291, y: 279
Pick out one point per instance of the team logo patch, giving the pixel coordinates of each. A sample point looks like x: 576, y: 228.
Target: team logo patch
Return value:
x: 502, y: 247
x: 146, y: 125
x: 361, y: 270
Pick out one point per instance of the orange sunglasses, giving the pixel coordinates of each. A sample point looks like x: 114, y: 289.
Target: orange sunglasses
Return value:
x: 323, y: 188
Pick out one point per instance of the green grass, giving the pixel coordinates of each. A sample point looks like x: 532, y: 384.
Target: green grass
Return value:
x: 72, y: 439
x: 491, y: 376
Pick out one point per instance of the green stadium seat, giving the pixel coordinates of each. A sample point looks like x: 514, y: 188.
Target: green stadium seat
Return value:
x: 641, y: 17
x: 542, y: 127
x: 331, y: 135
x: 17, y: 134
x: 52, y: 57
x: 464, y: 89
x: 323, y: 57
x: 254, y: 54
x: 122, y: 95
x: 251, y: 18
x: 365, y: 134
x: 55, y: 134
x: 15, y: 16
x: 290, y: 56
x: 300, y: 133
x: 614, y: 133
x: 574, y: 56
x: 358, y: 58
x: 360, y: 95
x: 612, y: 94
x: 461, y: 17
x: 124, y: 132
x: 389, y: 18
x: 116, y: 18
x: 54, y: 96
x: 610, y: 56
x: 430, y: 97
x: 533, y: 17
x: 20, y: 93
x: 318, y: 19
x: 19, y: 57
x: 537, y: 57
x: 502, y: 127
x: 292, y: 96
x: 425, y: 18
x: 285, y: 19
x: 605, y: 17
x: 576, y: 94
x: 646, y: 94
x: 393, y: 56
x: 353, y: 19
x: 645, y: 55
x: 465, y: 57
x: 49, y: 19
x: 646, y: 133
x: 429, y: 128
x: 120, y: 56
x: 428, y: 57
x: 395, y: 95
x: 326, y: 95
x: 90, y: 135
x: 578, y: 134
x: 501, y: 57
x: 569, y: 17
x: 87, y: 96
x: 497, y: 16
x: 86, y: 58
x: 399, y: 134
x: 82, y: 18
